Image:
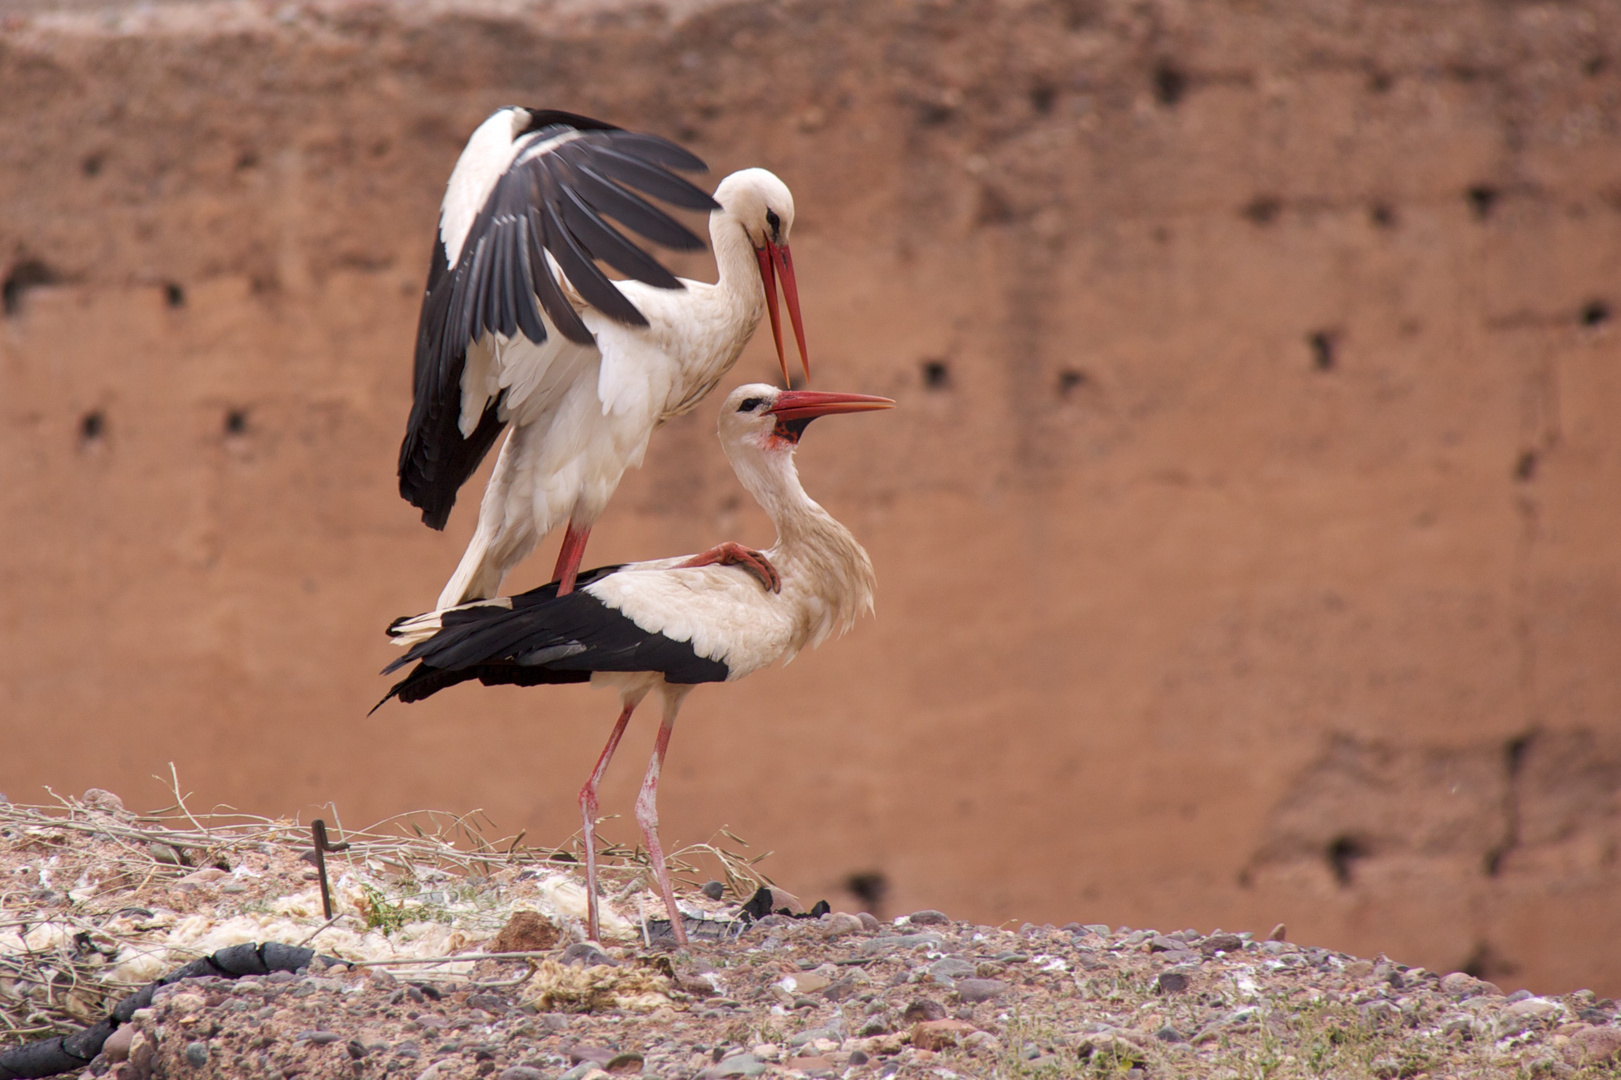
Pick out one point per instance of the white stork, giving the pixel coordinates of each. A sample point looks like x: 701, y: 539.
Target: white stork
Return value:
x: 669, y: 624
x: 520, y: 326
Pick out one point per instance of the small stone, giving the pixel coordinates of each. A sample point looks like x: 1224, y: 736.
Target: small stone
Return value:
x: 599, y: 1055
x: 521, y: 1072
x: 1170, y: 1034
x: 940, y: 1034
x: 736, y: 1065
x: 1518, y: 996
x: 858, y: 1057
x: 630, y: 1062
x: 782, y: 898
x: 1593, y: 1046
x: 98, y: 799
x: 356, y: 1048
x: 318, y: 1038
x: 1170, y: 982
x: 525, y: 931
x: 713, y: 889
x: 951, y: 967
x: 586, y: 955
x: 197, y: 1054
x: 974, y: 991
x: 1279, y: 932
x: 923, y: 1010
x: 929, y: 917
x: 869, y: 921
x: 117, y: 1045
x: 1161, y: 943
x: 839, y: 923
x: 1215, y: 943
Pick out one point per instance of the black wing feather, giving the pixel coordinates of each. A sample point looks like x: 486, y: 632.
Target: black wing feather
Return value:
x: 501, y: 282
x: 580, y: 632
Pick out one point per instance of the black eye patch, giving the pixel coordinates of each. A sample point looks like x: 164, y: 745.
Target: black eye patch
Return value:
x: 774, y: 221
x: 750, y: 404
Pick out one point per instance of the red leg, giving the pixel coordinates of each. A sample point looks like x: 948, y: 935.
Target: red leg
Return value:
x: 647, y: 816
x: 569, y: 556
x: 734, y: 554
x: 588, y: 810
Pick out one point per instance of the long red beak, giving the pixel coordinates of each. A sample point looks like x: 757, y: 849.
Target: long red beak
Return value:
x: 774, y: 258
x: 809, y: 404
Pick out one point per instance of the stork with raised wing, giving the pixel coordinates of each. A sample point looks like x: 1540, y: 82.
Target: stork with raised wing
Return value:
x: 669, y: 624
x: 521, y: 327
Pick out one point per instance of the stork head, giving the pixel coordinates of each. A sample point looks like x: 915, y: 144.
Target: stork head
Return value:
x: 772, y: 420
x: 764, y: 207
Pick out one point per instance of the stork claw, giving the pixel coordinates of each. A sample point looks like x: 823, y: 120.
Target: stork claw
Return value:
x: 735, y: 554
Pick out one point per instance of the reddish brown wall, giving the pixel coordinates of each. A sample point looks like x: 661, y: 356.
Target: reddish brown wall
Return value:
x: 1182, y: 620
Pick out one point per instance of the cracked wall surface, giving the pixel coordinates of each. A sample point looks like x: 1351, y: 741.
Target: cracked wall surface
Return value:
x: 1245, y: 536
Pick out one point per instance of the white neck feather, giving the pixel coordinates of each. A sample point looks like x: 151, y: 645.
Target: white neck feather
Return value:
x: 826, y: 574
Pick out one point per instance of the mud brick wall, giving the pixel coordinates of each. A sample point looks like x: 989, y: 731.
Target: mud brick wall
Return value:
x: 1247, y: 534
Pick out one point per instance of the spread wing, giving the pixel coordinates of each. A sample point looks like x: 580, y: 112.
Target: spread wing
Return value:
x: 526, y: 207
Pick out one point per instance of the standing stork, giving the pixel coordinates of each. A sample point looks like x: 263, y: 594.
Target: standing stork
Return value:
x: 520, y: 327
x: 669, y: 624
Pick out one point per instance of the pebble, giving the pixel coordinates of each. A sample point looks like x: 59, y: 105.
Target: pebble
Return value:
x: 839, y: 923
x: 922, y: 1010
x: 319, y: 1038
x: 587, y: 955
x: 869, y: 921
x: 630, y: 1062
x: 952, y: 968
x: 1221, y: 943
x: 1170, y: 982
x: 1594, y: 1046
x: 197, y: 1054
x: 713, y: 889
x: 521, y: 1072
x: 974, y: 991
x: 599, y: 1055
x: 1170, y: 1034
x: 117, y: 1045
x: 929, y: 917
x: 940, y: 1034
x: 736, y: 1065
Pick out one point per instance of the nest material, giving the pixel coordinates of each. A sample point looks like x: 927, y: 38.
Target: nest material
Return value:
x: 96, y: 901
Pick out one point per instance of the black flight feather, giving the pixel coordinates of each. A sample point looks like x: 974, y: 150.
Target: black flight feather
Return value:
x: 570, y: 636
x: 501, y: 283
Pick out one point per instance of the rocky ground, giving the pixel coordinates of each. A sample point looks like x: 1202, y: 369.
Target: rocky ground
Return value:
x: 99, y: 895
x: 846, y: 996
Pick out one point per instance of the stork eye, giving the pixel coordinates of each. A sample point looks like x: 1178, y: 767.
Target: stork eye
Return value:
x: 774, y: 221
x: 750, y: 404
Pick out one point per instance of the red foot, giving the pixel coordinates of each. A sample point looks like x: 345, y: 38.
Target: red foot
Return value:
x: 734, y: 554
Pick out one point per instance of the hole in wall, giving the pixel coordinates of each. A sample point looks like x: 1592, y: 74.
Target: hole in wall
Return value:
x: 1482, y: 199
x: 1042, y: 98
x: 1525, y: 466
x: 1323, y: 345
x: 1595, y: 313
x: 236, y: 421
x: 174, y: 295
x: 28, y: 274
x: 936, y: 375
x: 1380, y: 82
x: 1263, y: 209
x: 1342, y: 854
x: 1170, y: 84
x: 1383, y: 215
x: 869, y: 886
x: 1070, y: 380
x: 91, y: 166
x: 92, y: 425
